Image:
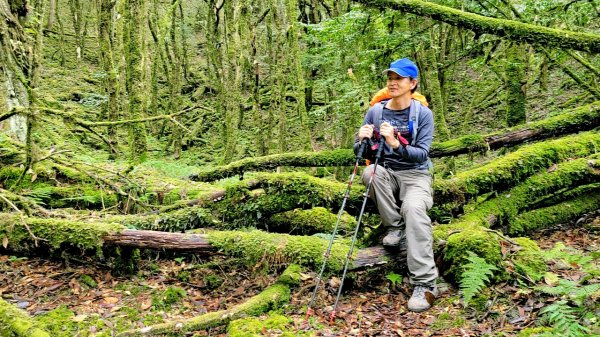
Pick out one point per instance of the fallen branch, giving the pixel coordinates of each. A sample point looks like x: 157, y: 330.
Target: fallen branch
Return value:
x: 509, y: 29
x: 271, y: 298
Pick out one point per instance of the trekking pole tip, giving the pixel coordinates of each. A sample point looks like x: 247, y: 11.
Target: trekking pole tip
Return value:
x: 309, y: 312
x: 332, y: 318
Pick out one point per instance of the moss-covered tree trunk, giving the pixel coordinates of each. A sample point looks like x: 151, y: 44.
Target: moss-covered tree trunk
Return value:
x: 14, y: 64
x: 298, y: 83
x: 133, y: 44
x: 514, y: 76
x: 110, y: 83
x: 79, y: 19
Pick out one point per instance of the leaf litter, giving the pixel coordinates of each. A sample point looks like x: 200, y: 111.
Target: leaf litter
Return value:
x: 370, y: 306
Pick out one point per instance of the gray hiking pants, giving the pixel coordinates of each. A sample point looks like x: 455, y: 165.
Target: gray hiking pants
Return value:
x: 412, y: 190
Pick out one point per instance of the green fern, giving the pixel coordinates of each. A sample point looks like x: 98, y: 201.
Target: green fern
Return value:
x: 578, y: 294
x: 563, y: 319
x: 40, y: 195
x: 476, y: 274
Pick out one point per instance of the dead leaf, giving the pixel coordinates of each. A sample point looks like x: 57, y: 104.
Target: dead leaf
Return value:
x: 551, y: 279
x: 5, y: 242
x: 79, y: 318
x: 111, y: 300
x: 146, y: 304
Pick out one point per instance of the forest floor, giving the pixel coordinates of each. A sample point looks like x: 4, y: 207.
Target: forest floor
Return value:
x: 83, y: 298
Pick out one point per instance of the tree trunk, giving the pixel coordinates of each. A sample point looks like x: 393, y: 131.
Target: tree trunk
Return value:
x: 105, y: 33
x: 51, y: 14
x: 133, y: 44
x: 514, y: 76
x: 15, y: 65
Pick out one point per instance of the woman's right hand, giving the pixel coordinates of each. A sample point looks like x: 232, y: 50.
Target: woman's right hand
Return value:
x: 365, y: 131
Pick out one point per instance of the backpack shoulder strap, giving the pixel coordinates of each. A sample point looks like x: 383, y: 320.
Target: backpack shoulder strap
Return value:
x: 413, y: 119
x: 378, y: 113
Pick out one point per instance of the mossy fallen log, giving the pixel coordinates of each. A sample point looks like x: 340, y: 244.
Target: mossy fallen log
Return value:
x: 274, y: 193
x: 553, y: 215
x: 31, y: 234
x: 251, y: 247
x: 580, y: 119
x: 499, y: 212
x: 509, y: 29
x: 505, y: 172
x: 310, y: 221
x: 271, y: 298
x: 23, y: 234
x: 178, y: 220
x: 15, y: 322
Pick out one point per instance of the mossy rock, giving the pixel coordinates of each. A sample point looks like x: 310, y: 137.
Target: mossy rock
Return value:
x: 271, y: 325
x: 528, y: 260
x: 483, y: 243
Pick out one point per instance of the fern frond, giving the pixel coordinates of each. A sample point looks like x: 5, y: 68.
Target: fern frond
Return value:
x: 564, y: 321
x: 40, y: 195
x: 571, y: 290
x: 475, y: 276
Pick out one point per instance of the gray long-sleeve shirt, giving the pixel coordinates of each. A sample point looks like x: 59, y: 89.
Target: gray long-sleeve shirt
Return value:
x: 409, y: 157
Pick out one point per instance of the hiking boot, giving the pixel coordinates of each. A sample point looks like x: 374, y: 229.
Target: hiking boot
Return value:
x: 422, y: 298
x: 395, y: 237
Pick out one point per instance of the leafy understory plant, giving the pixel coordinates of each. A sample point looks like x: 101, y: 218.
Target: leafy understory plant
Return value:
x: 563, y: 319
x: 394, y: 278
x: 476, y: 274
x: 572, y: 290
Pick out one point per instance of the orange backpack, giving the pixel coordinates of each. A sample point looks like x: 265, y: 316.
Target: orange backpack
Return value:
x: 385, y: 94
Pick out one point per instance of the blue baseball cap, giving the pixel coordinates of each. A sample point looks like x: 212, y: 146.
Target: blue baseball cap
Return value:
x: 403, y: 67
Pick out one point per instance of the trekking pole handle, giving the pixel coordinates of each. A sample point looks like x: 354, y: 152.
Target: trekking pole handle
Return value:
x: 361, y: 148
x: 380, y: 148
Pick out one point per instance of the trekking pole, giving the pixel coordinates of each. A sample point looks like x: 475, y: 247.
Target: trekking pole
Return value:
x: 359, y: 154
x: 362, y: 211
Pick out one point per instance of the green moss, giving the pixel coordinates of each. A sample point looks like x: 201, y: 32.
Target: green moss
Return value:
x: 272, y: 249
x: 501, y: 211
x: 502, y: 173
x: 212, y: 281
x: 175, y: 221
x: 533, y: 332
x: 272, y: 324
x: 59, y: 322
x: 15, y: 322
x: 310, y: 221
x: 484, y: 244
x: 54, y: 233
x: 88, y: 281
x: 501, y: 27
x: 552, y: 215
x: 282, y: 192
x: 528, y: 260
x: 291, y: 275
x: 465, y: 144
x: 446, y: 321
x: 167, y: 298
